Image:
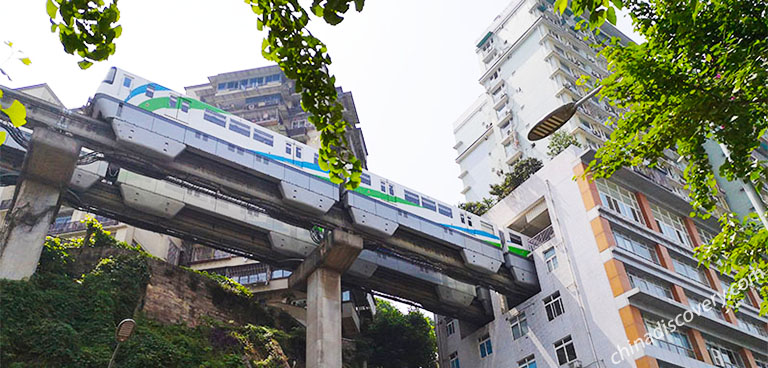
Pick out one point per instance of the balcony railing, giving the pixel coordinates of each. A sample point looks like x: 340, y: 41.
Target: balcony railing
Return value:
x: 542, y: 237
x: 77, y: 226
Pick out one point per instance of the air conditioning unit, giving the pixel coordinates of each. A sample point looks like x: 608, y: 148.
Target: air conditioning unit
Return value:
x: 717, y: 358
x: 262, y: 103
x: 251, y: 106
x: 575, y: 364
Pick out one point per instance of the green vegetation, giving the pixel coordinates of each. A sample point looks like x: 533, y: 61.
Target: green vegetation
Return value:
x: 700, y: 75
x: 522, y: 170
x: 64, y: 318
x: 559, y: 141
x: 397, y: 340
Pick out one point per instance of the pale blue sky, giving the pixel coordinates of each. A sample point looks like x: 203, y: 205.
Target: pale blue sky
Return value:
x: 410, y: 65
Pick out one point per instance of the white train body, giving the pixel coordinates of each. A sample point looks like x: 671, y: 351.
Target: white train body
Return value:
x: 186, y: 115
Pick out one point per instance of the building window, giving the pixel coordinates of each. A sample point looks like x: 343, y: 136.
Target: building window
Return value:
x: 752, y: 327
x: 450, y: 326
x: 761, y: 361
x: 528, y: 362
x: 671, y: 225
x: 650, y: 285
x: 705, y: 236
x: 485, y: 346
x: 454, y: 359
x: 215, y: 117
x: 689, y: 271
x: 519, y: 325
x: 550, y: 257
x: 553, y: 304
x: 723, y: 357
x: 710, y: 309
x: 412, y: 197
x: 676, y: 342
x: 619, y: 200
x: 565, y: 351
x: 633, y: 245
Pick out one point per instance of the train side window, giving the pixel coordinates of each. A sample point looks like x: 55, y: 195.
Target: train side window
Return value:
x: 412, y: 197
x: 150, y: 91
x: 288, y: 148
x: 127, y: 82
x: 391, y: 189
x: 215, y: 117
x: 172, y: 102
x: 239, y: 128
x: 201, y: 136
x: 298, y: 152
x: 263, y: 137
x: 383, y: 188
x: 184, y: 106
x: 486, y: 227
x: 469, y: 220
x: 444, y: 210
x: 462, y: 218
x: 428, y: 204
x: 316, y: 158
x: 365, y: 179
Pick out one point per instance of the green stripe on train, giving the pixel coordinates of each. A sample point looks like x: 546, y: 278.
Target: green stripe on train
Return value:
x: 165, y: 103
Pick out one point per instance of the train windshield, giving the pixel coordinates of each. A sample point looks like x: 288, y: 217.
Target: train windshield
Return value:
x: 110, y: 75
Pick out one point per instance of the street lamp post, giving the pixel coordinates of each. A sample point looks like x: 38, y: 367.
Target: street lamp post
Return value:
x: 123, y: 331
x: 552, y: 121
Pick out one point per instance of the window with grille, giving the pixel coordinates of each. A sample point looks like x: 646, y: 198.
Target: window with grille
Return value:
x: 676, y: 342
x: 723, y: 356
x: 553, y: 304
x: 619, y: 200
x: 550, y: 257
x: 650, y: 285
x: 565, y: 350
x: 454, y: 359
x: 528, y: 362
x: 671, y: 225
x: 486, y: 348
x: 689, y: 271
x: 519, y: 325
x: 636, y: 246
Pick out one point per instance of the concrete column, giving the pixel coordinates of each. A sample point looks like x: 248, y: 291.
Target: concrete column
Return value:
x: 47, y: 170
x: 324, y: 319
x: 320, y: 274
x: 25, y: 229
x: 645, y: 209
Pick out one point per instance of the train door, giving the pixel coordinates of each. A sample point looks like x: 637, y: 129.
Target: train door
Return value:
x: 295, y: 153
x: 127, y: 84
x: 388, y: 189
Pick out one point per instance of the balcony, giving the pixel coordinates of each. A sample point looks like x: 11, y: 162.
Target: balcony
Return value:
x: 299, y: 133
x: 512, y: 152
x: 78, y: 226
x: 489, y: 54
x: 541, y: 238
x: 203, y: 254
x: 500, y: 100
x: 504, y: 116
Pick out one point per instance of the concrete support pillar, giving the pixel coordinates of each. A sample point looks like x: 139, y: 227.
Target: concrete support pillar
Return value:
x: 25, y: 228
x: 47, y: 170
x: 748, y: 358
x: 320, y: 274
x: 324, y: 319
x: 699, y: 346
x: 645, y: 210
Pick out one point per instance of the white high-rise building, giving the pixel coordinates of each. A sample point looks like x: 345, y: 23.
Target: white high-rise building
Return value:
x: 530, y: 61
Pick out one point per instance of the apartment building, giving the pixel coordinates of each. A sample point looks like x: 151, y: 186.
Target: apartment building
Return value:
x: 614, y: 259
x: 530, y: 60
x: 265, y: 96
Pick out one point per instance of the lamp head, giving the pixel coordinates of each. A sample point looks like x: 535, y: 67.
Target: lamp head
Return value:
x: 552, y: 122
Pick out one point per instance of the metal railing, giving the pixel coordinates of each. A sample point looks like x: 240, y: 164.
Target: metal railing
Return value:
x: 542, y: 237
x: 76, y: 226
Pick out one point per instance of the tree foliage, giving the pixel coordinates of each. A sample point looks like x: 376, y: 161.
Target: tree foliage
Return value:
x: 701, y: 75
x: 88, y: 28
x: 397, y: 340
x: 559, y: 141
x: 522, y: 170
x: 478, y: 208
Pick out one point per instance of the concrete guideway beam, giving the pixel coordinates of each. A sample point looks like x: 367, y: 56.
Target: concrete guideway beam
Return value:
x: 47, y: 170
x: 321, y: 271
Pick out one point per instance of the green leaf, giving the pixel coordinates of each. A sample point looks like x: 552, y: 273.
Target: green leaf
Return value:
x: 25, y: 60
x: 51, y: 9
x: 118, y: 31
x: 3, y: 135
x: 561, y: 5
x: 17, y: 113
x: 612, y: 15
x: 84, y: 64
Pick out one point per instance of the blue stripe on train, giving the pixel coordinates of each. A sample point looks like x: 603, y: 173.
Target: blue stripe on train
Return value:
x: 143, y: 88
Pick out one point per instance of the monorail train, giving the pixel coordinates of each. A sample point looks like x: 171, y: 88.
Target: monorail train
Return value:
x: 212, y: 123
